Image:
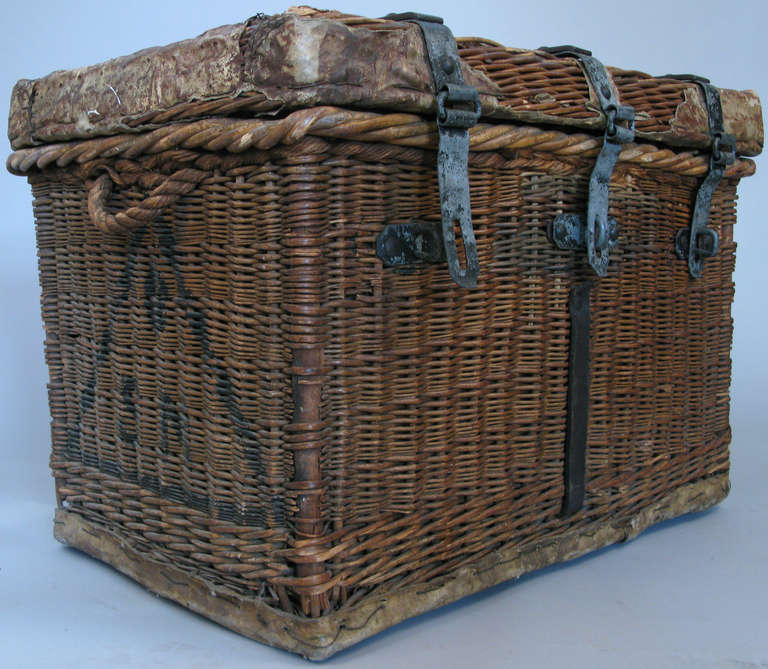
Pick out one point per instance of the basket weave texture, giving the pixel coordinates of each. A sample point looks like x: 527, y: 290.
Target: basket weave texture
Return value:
x: 242, y: 392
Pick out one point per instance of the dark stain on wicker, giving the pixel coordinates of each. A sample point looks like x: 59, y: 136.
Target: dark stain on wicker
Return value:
x: 169, y: 411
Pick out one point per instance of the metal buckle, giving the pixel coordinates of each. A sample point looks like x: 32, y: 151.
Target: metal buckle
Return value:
x: 698, y: 242
x: 458, y: 109
x: 458, y: 117
x: 599, y: 233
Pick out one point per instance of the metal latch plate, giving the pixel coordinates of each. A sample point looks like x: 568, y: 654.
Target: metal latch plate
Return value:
x: 569, y: 232
x: 410, y: 243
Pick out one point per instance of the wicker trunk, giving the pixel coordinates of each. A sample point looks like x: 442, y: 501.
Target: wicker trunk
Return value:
x: 257, y: 415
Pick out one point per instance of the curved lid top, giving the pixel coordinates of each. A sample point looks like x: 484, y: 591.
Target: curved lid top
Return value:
x: 270, y: 65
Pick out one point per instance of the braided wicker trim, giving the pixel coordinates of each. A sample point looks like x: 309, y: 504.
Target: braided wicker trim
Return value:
x: 178, y: 184
x: 237, y: 136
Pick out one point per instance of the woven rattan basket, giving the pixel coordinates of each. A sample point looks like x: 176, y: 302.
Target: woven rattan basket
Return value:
x: 276, y: 402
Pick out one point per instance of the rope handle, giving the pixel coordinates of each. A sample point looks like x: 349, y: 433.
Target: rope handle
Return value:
x: 161, y: 197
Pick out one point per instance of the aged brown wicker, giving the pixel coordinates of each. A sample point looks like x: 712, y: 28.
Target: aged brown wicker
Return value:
x: 256, y: 418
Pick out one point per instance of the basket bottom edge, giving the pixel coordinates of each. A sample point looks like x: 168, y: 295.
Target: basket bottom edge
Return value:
x: 320, y: 638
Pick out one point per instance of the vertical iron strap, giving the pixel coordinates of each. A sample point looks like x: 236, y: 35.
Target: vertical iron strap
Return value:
x: 577, y: 419
x: 458, y: 109
x: 698, y: 242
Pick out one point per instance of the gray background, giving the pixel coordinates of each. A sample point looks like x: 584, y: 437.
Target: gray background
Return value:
x: 691, y: 593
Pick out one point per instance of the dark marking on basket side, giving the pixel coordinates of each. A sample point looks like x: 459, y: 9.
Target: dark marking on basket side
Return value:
x: 156, y: 295
x: 87, y: 395
x: 170, y: 419
x: 155, y: 298
x: 243, y: 429
x: 128, y: 388
x: 241, y: 425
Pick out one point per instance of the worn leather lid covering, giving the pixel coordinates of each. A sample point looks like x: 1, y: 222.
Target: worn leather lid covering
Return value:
x: 305, y: 58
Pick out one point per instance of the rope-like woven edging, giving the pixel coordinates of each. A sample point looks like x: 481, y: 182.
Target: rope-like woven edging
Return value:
x: 171, y: 189
x: 236, y: 136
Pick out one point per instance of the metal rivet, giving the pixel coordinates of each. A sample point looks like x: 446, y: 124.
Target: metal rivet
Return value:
x: 448, y: 64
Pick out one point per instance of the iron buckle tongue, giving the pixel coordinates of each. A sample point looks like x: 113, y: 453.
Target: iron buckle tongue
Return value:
x: 600, y: 233
x: 698, y: 242
x: 458, y: 109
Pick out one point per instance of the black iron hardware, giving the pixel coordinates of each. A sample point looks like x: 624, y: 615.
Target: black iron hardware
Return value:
x: 577, y: 417
x: 458, y: 109
x: 414, y: 16
x: 619, y: 130
x: 698, y: 242
x: 409, y: 243
x: 568, y: 231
